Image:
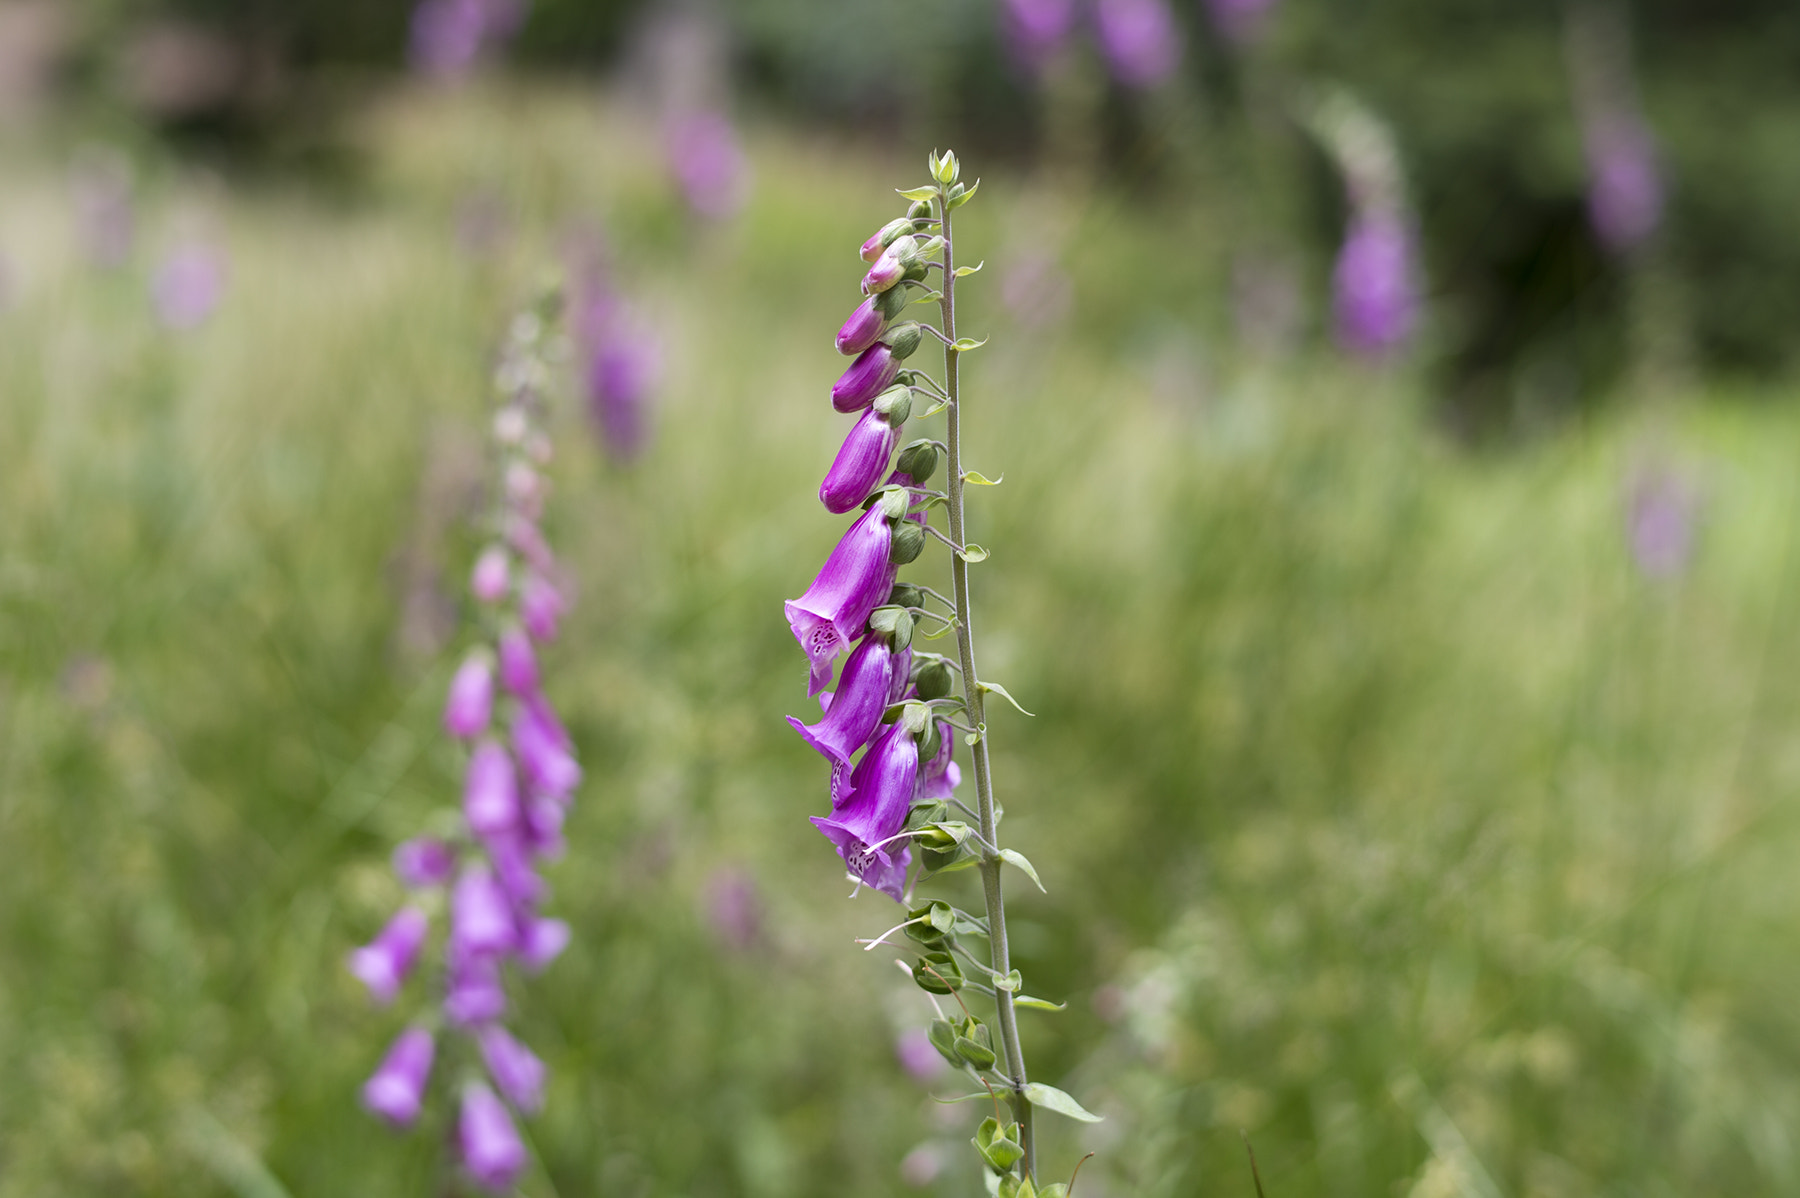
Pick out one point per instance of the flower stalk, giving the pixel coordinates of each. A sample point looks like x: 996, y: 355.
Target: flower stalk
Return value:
x: 974, y: 702
x: 895, y: 819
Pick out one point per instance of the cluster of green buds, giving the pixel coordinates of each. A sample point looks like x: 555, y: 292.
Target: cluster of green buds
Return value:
x: 891, y: 725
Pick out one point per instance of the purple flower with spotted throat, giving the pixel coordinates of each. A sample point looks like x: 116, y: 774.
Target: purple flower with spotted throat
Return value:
x: 856, y: 706
x: 864, y: 827
x: 855, y: 579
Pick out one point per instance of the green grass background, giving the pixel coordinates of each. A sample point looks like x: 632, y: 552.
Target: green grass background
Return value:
x: 1389, y: 815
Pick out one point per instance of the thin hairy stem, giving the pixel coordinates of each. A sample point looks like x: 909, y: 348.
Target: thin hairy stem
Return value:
x: 973, y: 700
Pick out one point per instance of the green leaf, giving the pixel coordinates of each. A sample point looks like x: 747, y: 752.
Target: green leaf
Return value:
x: 969, y: 270
x: 1052, y: 1099
x: 1011, y: 982
x: 919, y: 193
x: 997, y: 689
x: 927, y: 298
x: 934, y: 409
x: 966, y: 196
x: 1039, y: 1004
x: 972, y: 554
x: 965, y: 344
x: 961, y: 1098
x: 975, y: 479
x: 1015, y: 857
x: 971, y: 739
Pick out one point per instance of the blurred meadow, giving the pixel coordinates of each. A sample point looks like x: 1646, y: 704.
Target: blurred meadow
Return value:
x: 1415, y: 790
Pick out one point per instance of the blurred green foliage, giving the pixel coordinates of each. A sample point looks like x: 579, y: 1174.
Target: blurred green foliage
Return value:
x: 1388, y: 813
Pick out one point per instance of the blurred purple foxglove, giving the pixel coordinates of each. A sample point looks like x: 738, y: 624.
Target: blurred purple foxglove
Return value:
x: 511, y: 858
x: 734, y: 908
x: 487, y: 1140
x: 857, y: 705
x: 423, y: 862
x: 871, y: 374
x: 621, y: 370
x: 863, y: 828
x: 917, y: 1056
x: 474, y: 994
x: 1375, y: 302
x: 855, y: 579
x: 491, y: 791
x: 471, y: 698
x: 384, y: 962
x: 1625, y: 195
x: 397, y: 1087
x: 1240, y: 20
x: 188, y: 286
x: 1036, y: 29
x: 481, y: 917
x: 541, y: 606
x: 518, y: 664
x: 491, y: 576
x: 543, y: 827
x: 708, y: 163
x: 939, y: 777
x: 862, y: 329
x: 525, y: 536
x: 543, y: 941
x: 525, y: 490
x: 515, y: 1069
x: 860, y: 463
x: 448, y: 37
x: 1140, y: 39
x: 543, y: 752
x: 1660, y: 523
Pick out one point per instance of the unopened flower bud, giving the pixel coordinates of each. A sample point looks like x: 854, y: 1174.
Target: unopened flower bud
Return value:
x: 884, y: 237
x: 919, y: 210
x: 903, y: 339
x: 518, y: 664
x: 864, y: 326
x: 918, y: 460
x: 931, y: 678
x: 867, y: 377
x: 909, y: 542
x: 491, y: 791
x: 894, y: 405
x: 383, y: 963
x: 947, y: 168
x: 860, y: 463
x: 892, y: 266
x: 515, y: 1068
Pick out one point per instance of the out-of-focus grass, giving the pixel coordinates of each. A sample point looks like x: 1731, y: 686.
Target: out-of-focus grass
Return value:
x: 1377, y: 793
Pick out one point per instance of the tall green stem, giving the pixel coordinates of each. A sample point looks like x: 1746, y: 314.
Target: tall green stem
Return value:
x: 1005, y: 1014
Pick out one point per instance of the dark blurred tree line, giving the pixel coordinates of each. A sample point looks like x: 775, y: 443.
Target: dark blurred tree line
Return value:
x: 1529, y: 308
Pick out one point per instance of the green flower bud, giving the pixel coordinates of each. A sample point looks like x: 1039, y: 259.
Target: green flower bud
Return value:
x: 919, y: 209
x: 936, y: 923
x: 890, y: 302
x: 929, y: 742
x: 927, y: 813
x: 908, y: 543
x: 942, y: 1034
x: 945, y: 169
x: 905, y: 594
x: 903, y: 339
x: 937, y: 973
x: 895, y: 405
x: 918, y: 461
x: 932, y: 677
x: 914, y: 273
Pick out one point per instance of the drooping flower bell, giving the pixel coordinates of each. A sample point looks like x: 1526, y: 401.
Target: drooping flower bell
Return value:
x: 541, y: 606
x: 490, y: 578
x: 854, y: 580
x: 543, y: 752
x: 471, y: 698
x: 487, y: 1140
x: 188, y: 286
x: 425, y: 861
x: 871, y: 374
x: 481, y: 918
x: 708, y: 163
x: 1036, y: 29
x: 1141, y: 41
x: 384, y: 962
x: 863, y: 458
x: 857, y: 705
x: 474, y: 994
x: 515, y: 1069
x: 940, y: 776
x: 397, y: 1087
x: 864, y: 827
x: 491, y: 791
x: 518, y: 664
x: 1374, y: 297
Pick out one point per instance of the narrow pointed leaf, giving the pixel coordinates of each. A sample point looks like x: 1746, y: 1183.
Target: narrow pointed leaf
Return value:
x: 934, y: 409
x: 964, y: 1098
x: 1015, y: 857
x: 976, y: 479
x: 1052, y: 1099
x: 965, y: 344
x: 997, y: 689
x: 969, y: 270
x: 1039, y: 1004
x: 966, y: 196
x: 920, y: 193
